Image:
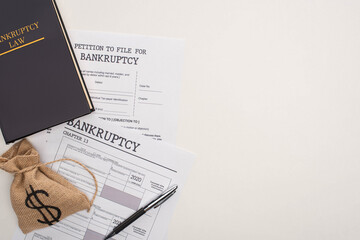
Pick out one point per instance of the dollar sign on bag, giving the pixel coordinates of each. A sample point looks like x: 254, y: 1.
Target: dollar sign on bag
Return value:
x: 32, y: 201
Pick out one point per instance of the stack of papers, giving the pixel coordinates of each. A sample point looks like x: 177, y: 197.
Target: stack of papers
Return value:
x: 134, y: 83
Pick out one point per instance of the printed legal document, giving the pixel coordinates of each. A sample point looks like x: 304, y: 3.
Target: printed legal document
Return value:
x: 132, y: 80
x: 131, y: 170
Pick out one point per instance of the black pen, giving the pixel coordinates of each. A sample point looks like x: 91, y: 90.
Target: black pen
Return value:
x: 153, y: 204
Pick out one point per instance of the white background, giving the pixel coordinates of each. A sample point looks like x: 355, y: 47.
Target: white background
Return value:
x: 270, y: 105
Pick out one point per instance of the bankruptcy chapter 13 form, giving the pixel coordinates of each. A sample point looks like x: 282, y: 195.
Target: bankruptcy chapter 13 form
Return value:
x: 131, y: 170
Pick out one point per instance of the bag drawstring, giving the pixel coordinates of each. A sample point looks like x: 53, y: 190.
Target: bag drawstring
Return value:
x: 61, y: 160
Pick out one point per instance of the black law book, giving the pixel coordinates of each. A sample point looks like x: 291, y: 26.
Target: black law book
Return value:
x: 40, y: 81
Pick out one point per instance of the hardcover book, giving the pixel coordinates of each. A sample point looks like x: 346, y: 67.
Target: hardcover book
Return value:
x: 40, y: 81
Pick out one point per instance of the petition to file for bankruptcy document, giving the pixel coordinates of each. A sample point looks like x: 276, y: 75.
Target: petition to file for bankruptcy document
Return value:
x: 133, y: 80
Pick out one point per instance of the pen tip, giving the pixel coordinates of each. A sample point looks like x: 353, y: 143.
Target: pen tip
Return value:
x: 108, y: 236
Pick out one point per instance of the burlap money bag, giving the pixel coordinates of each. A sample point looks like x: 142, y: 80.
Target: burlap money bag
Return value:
x: 40, y: 197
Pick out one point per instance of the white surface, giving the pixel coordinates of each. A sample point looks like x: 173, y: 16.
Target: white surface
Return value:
x: 270, y: 104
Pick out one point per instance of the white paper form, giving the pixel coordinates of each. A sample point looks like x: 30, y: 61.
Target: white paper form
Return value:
x: 130, y: 169
x: 133, y: 80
